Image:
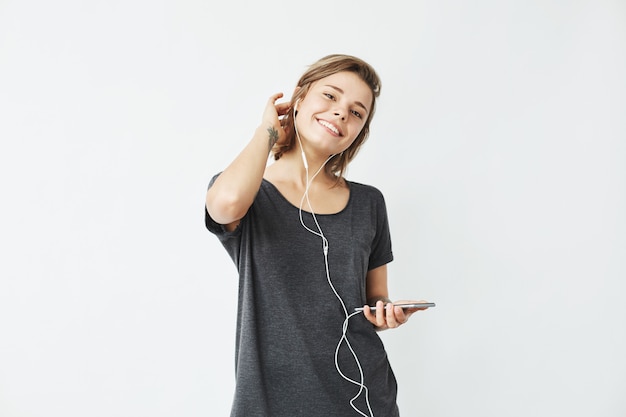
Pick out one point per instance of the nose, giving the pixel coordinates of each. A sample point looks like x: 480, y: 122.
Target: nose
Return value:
x: 340, y: 112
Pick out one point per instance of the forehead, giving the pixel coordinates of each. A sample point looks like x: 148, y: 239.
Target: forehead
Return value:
x: 350, y: 84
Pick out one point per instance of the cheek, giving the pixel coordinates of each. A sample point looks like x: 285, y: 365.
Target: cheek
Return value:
x: 356, y: 130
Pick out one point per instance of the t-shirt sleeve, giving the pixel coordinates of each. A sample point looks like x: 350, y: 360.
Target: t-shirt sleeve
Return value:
x: 213, y: 226
x: 381, y: 247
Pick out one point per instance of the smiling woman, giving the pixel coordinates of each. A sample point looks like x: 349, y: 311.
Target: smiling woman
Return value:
x: 301, y: 235
x: 331, y: 115
x: 358, y: 74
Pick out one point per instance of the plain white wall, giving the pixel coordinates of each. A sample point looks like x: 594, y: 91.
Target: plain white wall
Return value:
x: 499, y: 143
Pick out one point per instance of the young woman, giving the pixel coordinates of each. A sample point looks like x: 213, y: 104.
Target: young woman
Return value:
x: 310, y: 247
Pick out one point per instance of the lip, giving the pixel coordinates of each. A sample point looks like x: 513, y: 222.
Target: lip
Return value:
x: 324, y: 123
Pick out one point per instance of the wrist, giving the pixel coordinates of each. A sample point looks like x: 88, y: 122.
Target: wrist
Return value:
x: 268, y: 134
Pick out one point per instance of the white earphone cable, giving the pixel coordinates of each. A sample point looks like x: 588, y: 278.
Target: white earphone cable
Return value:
x: 325, y: 248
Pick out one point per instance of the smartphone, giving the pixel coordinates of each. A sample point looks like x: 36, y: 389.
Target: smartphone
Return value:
x: 411, y: 305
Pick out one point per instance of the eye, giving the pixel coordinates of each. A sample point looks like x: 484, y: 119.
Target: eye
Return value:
x: 357, y: 114
x: 329, y: 96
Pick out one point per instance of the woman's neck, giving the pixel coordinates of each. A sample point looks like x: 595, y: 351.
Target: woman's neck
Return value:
x: 292, y: 167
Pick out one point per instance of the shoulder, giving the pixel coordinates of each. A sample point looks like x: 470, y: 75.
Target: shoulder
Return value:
x: 365, y: 189
x: 367, y: 195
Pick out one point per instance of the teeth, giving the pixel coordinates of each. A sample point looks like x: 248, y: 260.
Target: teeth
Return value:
x: 328, y: 125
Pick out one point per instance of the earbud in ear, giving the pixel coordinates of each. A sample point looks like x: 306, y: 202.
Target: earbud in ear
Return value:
x: 295, y: 106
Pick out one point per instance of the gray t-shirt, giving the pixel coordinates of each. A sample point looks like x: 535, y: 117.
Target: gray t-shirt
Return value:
x: 290, y: 322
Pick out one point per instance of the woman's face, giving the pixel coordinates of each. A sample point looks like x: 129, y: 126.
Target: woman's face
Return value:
x: 333, y: 112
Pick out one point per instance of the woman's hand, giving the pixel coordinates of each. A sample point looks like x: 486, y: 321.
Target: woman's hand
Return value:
x: 272, y: 118
x: 389, y: 316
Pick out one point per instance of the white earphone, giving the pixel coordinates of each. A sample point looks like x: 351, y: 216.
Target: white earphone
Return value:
x: 361, y: 382
x: 304, y: 161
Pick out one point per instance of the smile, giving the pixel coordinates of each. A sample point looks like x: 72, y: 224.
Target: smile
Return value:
x: 329, y: 126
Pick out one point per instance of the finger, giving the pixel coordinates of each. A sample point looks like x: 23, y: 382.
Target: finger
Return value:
x: 380, y: 313
x: 401, y: 315
x: 275, y: 97
x: 270, y: 114
x: 283, y: 108
x: 371, y: 316
x: 391, y: 315
x: 367, y: 312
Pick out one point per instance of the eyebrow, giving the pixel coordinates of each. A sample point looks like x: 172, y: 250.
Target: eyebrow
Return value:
x: 358, y: 103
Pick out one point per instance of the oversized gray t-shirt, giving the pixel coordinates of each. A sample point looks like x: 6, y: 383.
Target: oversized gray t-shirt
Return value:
x: 290, y: 322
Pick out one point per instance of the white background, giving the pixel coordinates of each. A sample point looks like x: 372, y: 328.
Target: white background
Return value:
x: 499, y: 143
